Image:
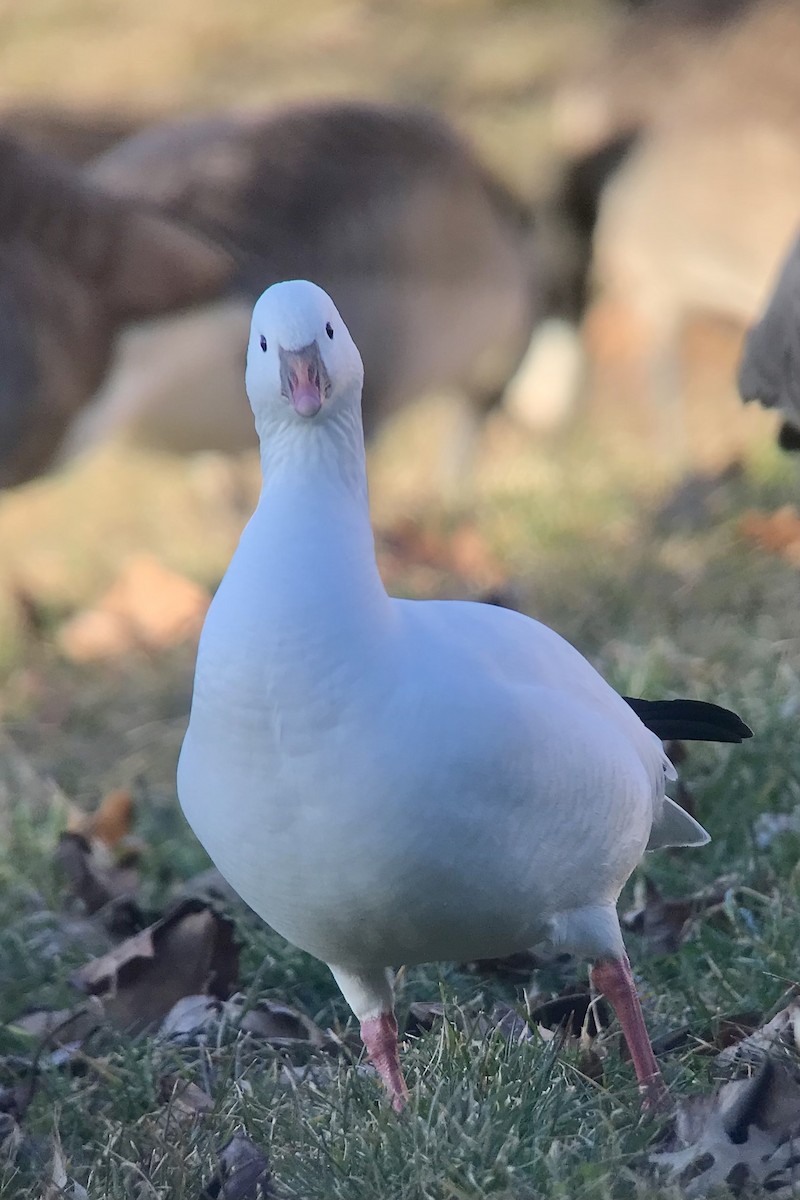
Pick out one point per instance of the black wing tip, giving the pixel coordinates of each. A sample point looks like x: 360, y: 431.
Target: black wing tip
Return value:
x: 690, y: 720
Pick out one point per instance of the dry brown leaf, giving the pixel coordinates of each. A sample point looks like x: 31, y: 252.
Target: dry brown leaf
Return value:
x: 664, y: 924
x: 243, y: 1173
x: 782, y: 1031
x: 423, y: 1015
x: 60, y: 1036
x: 185, y: 1100
x: 95, y: 878
x: 111, y: 821
x: 98, y: 855
x: 720, y: 1033
x: 189, y: 951
x: 147, y: 607
x: 740, y: 1136
x: 189, y: 1017
x: 510, y: 1023
x: 574, y: 1012
x: 279, y: 1024
x: 61, y: 1027
x: 777, y: 532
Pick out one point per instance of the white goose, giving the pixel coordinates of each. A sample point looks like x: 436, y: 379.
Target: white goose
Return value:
x: 390, y: 781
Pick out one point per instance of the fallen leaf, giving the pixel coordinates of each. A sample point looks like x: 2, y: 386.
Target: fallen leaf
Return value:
x: 574, y: 1012
x: 42, y: 1022
x: 243, y: 1173
x: 783, y: 1030
x: 777, y: 532
x: 186, y: 1102
x: 96, y: 880
x: 111, y: 821
x: 189, y: 1016
x: 59, y: 1027
x: 189, y: 951
x: 511, y: 1024
x: 720, y: 1033
x: 423, y: 1015
x: 147, y: 607
x: 664, y: 924
x: 278, y: 1024
x: 60, y: 1035
x: 741, y: 1136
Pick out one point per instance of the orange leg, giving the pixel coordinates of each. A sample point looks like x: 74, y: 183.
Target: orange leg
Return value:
x: 379, y: 1035
x: 613, y: 978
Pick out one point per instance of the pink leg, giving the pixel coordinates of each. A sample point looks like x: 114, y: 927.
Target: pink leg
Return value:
x: 379, y: 1035
x: 614, y: 979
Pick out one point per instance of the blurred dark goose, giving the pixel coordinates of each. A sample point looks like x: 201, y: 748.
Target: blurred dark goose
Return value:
x: 770, y: 366
x: 126, y: 289
x: 392, y: 781
x: 75, y: 134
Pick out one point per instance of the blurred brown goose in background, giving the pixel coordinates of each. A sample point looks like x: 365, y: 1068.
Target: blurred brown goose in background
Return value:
x: 770, y: 366
x: 74, y: 134
x: 695, y: 219
x: 431, y: 260
x: 76, y: 267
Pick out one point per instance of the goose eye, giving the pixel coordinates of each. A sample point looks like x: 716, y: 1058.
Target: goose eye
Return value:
x: 329, y: 330
x: 263, y: 343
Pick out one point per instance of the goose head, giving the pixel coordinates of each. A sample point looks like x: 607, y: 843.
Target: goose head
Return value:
x: 302, y: 364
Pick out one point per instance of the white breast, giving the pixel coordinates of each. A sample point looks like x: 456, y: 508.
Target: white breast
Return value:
x: 408, y: 804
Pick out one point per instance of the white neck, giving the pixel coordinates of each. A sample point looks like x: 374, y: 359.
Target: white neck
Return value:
x: 313, y: 514
x: 295, y: 453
